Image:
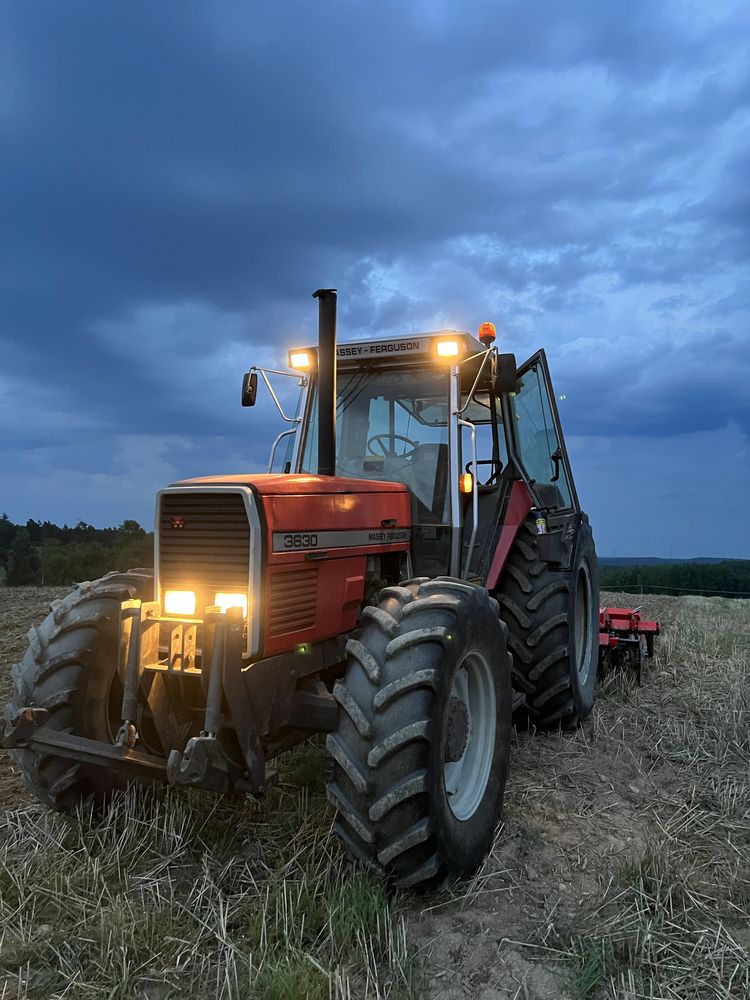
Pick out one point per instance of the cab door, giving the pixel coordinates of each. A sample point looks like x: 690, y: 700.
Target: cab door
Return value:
x: 538, y: 441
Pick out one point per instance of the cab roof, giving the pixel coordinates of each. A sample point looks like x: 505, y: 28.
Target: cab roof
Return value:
x: 414, y: 347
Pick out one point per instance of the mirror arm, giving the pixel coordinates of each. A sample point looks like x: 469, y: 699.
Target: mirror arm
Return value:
x: 471, y: 392
x: 273, y: 371
x: 274, y: 397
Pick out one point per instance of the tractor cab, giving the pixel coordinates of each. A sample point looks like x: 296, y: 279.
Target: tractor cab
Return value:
x: 455, y: 422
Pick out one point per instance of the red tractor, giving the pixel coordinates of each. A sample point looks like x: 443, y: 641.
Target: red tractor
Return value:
x: 420, y: 570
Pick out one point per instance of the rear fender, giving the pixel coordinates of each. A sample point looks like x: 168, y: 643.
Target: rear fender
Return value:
x: 516, y: 512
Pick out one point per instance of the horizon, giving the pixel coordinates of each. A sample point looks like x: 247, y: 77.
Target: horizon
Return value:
x: 149, y: 526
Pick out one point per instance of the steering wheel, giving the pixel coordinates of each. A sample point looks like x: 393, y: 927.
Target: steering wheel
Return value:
x: 380, y: 439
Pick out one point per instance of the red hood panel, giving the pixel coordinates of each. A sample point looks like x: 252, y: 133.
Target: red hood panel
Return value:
x: 297, y: 485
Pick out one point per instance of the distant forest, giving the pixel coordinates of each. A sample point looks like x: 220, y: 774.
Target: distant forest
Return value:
x: 730, y: 578
x: 45, y: 554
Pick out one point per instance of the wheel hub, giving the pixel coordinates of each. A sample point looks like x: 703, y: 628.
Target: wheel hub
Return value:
x: 457, y: 732
x: 469, y: 735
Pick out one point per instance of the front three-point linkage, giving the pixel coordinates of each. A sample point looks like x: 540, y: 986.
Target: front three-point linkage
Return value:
x: 203, y: 762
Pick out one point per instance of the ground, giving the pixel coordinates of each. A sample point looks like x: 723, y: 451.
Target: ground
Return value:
x: 621, y: 869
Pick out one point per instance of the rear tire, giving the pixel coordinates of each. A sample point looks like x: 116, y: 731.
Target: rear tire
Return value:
x: 70, y: 669
x: 422, y: 744
x: 553, y: 629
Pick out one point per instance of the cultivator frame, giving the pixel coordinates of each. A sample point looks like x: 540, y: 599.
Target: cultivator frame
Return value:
x: 625, y: 637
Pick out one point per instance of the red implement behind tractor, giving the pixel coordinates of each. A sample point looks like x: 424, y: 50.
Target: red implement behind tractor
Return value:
x: 625, y: 638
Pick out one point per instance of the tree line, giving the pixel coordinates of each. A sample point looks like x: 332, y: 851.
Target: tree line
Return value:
x: 46, y: 554
x: 730, y: 577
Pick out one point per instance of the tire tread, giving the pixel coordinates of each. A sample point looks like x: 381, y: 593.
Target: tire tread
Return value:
x: 381, y: 784
x: 62, y: 652
x: 534, y: 603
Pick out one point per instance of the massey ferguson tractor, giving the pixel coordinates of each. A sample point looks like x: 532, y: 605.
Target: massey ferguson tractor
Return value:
x: 419, y: 571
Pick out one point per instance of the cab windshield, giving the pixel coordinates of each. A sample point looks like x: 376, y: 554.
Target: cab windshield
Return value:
x: 391, y: 425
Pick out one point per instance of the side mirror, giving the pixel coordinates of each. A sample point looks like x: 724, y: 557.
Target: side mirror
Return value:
x: 249, y: 388
x: 506, y: 379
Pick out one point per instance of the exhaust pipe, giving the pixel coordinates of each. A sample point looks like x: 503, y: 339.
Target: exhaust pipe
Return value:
x: 326, y: 381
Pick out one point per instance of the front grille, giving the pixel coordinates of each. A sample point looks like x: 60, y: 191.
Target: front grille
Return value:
x: 292, y: 600
x: 204, y: 542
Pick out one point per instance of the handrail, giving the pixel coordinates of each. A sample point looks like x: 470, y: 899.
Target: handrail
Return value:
x: 474, y: 494
x: 292, y: 430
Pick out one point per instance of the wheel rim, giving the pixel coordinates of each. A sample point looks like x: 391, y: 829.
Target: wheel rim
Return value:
x: 466, y: 779
x: 582, y: 623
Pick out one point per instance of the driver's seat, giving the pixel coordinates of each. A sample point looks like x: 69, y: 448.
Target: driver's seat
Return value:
x: 388, y: 468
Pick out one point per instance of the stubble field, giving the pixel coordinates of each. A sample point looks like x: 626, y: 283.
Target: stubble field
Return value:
x: 622, y: 868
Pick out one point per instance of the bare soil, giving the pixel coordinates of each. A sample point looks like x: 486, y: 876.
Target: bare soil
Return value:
x: 622, y: 867
x: 20, y: 609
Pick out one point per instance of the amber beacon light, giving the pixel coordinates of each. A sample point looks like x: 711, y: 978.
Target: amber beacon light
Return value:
x: 487, y: 334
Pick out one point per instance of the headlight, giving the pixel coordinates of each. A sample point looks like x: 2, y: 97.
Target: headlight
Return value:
x: 227, y: 601
x: 179, y: 602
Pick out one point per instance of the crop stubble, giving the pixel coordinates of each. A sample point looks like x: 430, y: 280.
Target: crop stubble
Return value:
x: 622, y: 868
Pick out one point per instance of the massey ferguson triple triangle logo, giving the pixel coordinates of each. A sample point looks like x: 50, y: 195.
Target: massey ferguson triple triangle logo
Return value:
x: 178, y: 522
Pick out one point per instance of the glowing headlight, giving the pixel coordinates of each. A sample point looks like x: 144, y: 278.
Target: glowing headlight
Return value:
x: 227, y: 601
x: 179, y: 602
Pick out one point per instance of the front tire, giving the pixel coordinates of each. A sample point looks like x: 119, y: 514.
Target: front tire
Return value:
x: 422, y: 745
x: 70, y: 669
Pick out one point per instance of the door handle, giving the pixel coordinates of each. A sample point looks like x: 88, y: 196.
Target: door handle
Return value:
x: 556, y: 457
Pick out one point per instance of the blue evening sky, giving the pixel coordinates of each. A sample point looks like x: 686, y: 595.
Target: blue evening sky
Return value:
x: 178, y: 176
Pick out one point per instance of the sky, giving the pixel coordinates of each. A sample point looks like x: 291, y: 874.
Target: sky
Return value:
x: 177, y: 177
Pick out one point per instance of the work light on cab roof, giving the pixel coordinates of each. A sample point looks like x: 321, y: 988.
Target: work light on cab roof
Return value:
x: 302, y: 361
x: 448, y: 348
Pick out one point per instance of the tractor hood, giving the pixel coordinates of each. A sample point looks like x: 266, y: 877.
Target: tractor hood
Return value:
x: 279, y: 484
x: 306, y: 542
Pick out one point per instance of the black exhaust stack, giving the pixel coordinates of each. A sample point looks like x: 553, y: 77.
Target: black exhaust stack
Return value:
x: 326, y: 381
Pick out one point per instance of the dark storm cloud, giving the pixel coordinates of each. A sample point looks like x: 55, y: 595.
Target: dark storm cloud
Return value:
x: 177, y: 178
x: 672, y: 389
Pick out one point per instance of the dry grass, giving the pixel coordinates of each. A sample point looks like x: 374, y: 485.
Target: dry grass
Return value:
x: 183, y: 895
x: 622, y: 870
x: 675, y: 922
